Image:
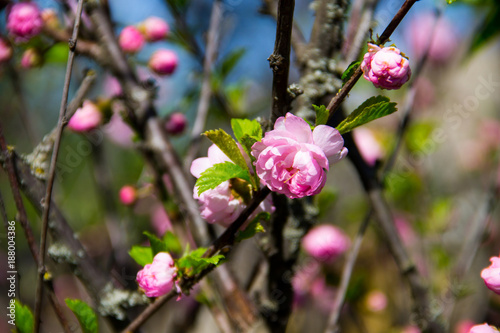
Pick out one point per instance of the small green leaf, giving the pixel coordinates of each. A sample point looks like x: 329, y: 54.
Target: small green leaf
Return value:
x: 57, y: 53
x: 212, y: 177
x: 253, y: 227
x: 349, y: 71
x: 84, y: 313
x: 321, y: 114
x: 172, y: 242
x: 371, y: 109
x: 23, y: 318
x: 193, y: 263
x: 157, y: 245
x: 248, y: 127
x: 230, y: 61
x: 228, y: 146
x: 142, y: 255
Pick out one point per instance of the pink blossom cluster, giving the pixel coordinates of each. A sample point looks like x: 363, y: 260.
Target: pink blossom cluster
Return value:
x: 325, y: 242
x: 293, y: 160
x: 158, y: 278
x: 86, y: 118
x: 385, y: 67
x: 24, y: 21
x: 220, y: 205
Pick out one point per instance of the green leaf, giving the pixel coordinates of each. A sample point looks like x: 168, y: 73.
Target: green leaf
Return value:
x: 371, y: 109
x: 228, y: 146
x: 57, y: 53
x: 321, y: 114
x: 230, y: 61
x: 157, y: 245
x: 488, y: 29
x: 84, y: 313
x: 253, y: 227
x: 142, y: 255
x: 349, y: 71
x: 242, y: 127
x: 24, y: 318
x: 172, y: 242
x: 193, y: 263
x: 212, y: 177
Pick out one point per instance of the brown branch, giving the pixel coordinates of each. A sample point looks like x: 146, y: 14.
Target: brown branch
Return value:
x: 341, y: 95
x: 206, y: 90
x: 52, y: 171
x: 280, y: 59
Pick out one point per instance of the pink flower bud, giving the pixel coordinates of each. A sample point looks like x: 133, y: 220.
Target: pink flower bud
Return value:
x: 131, y: 40
x: 128, y: 195
x: 5, y: 51
x: 163, y: 62
x: 176, y: 123
x: 376, y: 301
x: 491, y: 275
x: 24, y: 21
x: 325, y: 242
x: 484, y: 328
x: 157, y: 279
x: 385, y: 67
x: 154, y: 29
x: 293, y: 160
x: 86, y: 118
x: 31, y: 58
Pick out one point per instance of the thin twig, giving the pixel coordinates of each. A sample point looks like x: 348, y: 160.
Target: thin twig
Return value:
x: 52, y: 171
x: 280, y: 59
x: 206, y: 90
x: 341, y: 95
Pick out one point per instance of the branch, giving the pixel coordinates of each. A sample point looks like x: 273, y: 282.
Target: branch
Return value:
x: 339, y: 98
x: 206, y: 90
x: 52, y: 171
x: 280, y: 59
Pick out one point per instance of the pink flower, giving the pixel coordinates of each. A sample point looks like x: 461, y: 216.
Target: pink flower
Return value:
x: 128, y: 195
x: 24, y: 21
x: 85, y: 118
x: 163, y: 62
x: 325, y: 242
x: 368, y: 145
x: 176, y: 123
x: 386, y: 68
x: 484, y: 328
x: 154, y: 29
x: 157, y: 279
x: 5, y: 51
x: 491, y: 275
x: 30, y: 58
x: 443, y: 41
x: 376, y: 301
x: 464, y: 326
x: 293, y: 160
x: 220, y: 205
x: 131, y: 40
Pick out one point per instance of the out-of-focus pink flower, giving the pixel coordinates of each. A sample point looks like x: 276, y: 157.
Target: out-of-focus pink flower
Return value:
x: 112, y: 86
x: 368, y: 145
x: 86, y: 118
x: 30, y: 58
x: 405, y: 231
x: 176, y: 123
x: 376, y: 301
x: 491, y: 275
x: 411, y: 329
x: 424, y: 29
x: 50, y: 18
x: 24, y: 21
x: 157, y: 279
x: 484, y: 328
x: 160, y: 220
x: 128, y: 195
x: 325, y: 242
x: 293, y: 160
x: 154, y: 29
x: 163, y: 62
x: 220, y: 205
x: 117, y: 129
x: 5, y: 51
x: 322, y: 294
x: 385, y: 67
x: 464, y: 326
x: 131, y: 40
x: 424, y: 92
